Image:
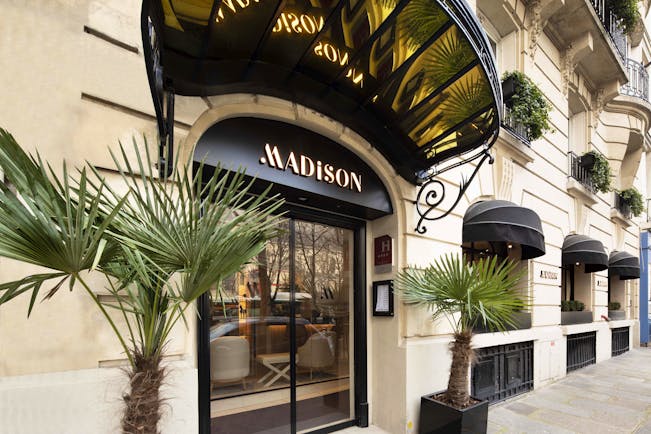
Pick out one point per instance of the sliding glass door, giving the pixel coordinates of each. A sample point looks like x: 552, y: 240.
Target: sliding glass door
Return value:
x: 281, y: 335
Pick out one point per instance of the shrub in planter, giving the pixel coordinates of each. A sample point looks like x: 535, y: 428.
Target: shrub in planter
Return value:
x: 565, y: 306
x: 633, y: 199
x: 627, y: 12
x: 600, y: 172
x: 469, y: 295
x: 528, y: 104
x: 614, y: 305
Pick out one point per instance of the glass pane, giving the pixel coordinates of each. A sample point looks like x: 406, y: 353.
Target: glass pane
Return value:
x: 249, y: 346
x: 324, y: 290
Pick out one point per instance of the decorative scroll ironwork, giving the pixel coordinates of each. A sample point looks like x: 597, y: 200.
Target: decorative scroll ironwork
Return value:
x: 162, y: 96
x: 431, y: 193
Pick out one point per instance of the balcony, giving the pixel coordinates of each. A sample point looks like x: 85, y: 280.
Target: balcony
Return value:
x: 638, y: 80
x: 515, y: 127
x: 579, y: 172
x: 611, y: 25
x: 622, y: 207
x: 597, y: 43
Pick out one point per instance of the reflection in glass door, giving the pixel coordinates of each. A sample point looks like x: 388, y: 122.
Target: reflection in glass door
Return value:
x: 281, y: 336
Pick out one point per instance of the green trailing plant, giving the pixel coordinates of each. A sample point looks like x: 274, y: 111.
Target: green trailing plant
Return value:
x: 614, y: 305
x: 468, y: 295
x: 627, y: 12
x: 528, y: 105
x: 572, y: 306
x: 160, y: 247
x: 600, y: 173
x: 633, y: 198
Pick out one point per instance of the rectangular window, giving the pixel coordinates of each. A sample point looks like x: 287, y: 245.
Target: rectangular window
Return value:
x: 503, y: 371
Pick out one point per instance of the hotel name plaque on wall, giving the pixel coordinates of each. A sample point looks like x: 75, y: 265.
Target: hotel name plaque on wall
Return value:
x: 546, y: 274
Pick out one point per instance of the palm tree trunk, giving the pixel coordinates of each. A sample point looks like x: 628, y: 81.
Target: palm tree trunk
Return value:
x: 457, y: 393
x: 143, y: 402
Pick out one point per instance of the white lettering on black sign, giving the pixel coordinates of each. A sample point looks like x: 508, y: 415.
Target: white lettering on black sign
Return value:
x: 303, y: 165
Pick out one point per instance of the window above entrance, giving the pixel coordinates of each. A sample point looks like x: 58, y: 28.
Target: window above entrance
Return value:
x: 416, y: 78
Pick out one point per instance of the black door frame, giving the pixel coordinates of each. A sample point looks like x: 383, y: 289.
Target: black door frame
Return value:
x: 294, y: 212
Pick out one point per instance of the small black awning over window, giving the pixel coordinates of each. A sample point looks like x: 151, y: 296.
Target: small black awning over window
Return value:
x: 624, y: 265
x: 504, y: 221
x: 581, y: 249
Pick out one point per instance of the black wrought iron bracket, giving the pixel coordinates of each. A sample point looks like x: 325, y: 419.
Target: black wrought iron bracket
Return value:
x: 431, y: 192
x: 162, y: 93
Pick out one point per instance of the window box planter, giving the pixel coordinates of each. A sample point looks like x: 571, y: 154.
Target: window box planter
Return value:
x: 616, y: 314
x: 587, y: 161
x: 439, y: 418
x: 522, y: 321
x: 575, y: 317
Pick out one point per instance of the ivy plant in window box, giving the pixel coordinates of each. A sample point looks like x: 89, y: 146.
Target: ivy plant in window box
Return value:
x: 615, y: 312
x: 573, y: 312
x: 528, y: 106
x: 599, y: 169
x: 633, y: 198
x: 627, y: 12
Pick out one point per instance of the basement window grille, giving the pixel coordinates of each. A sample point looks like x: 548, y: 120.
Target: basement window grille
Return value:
x: 503, y: 371
x: 619, y: 341
x: 581, y: 350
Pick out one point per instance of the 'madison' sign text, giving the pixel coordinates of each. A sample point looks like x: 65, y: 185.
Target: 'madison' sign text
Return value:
x: 303, y: 165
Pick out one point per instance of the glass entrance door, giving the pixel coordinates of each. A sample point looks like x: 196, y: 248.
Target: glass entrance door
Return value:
x: 281, y: 335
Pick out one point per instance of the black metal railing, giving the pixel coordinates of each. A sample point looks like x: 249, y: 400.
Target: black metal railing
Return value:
x: 612, y: 26
x: 622, y: 206
x: 515, y: 127
x: 580, y: 172
x: 503, y: 371
x: 581, y: 350
x: 619, y: 341
x: 638, y: 80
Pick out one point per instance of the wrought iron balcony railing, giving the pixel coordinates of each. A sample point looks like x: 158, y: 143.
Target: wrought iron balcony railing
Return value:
x: 611, y: 25
x: 580, y: 172
x: 515, y: 127
x: 621, y: 206
x: 638, y: 80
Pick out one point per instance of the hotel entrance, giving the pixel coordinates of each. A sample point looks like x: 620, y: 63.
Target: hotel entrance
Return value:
x: 282, y: 335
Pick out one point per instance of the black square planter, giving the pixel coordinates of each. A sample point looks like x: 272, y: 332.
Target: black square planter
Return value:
x: 574, y: 317
x: 439, y: 418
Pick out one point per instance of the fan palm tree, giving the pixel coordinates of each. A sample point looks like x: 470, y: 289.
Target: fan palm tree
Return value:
x: 467, y: 294
x: 160, y: 247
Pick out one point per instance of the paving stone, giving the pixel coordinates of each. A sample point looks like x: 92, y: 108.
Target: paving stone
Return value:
x: 522, y: 408
x: 516, y: 423
x: 574, y: 423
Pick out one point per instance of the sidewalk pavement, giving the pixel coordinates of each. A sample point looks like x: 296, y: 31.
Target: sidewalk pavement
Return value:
x: 613, y: 396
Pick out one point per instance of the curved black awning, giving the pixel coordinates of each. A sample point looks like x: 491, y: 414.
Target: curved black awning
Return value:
x: 624, y: 265
x: 504, y: 221
x: 582, y: 249
x: 416, y: 78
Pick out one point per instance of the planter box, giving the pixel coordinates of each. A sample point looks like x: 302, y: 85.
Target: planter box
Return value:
x: 522, y: 321
x: 508, y: 89
x: 616, y: 314
x: 582, y: 317
x: 439, y: 418
x: 587, y: 161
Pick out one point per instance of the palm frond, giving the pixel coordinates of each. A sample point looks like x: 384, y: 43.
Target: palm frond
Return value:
x: 481, y: 293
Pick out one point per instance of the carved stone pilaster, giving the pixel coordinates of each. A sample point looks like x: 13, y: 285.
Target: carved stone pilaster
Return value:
x: 567, y: 68
x: 597, y: 106
x: 506, y: 179
x: 535, y: 8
